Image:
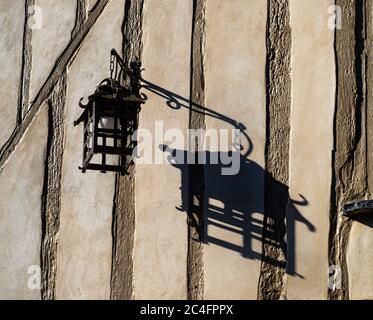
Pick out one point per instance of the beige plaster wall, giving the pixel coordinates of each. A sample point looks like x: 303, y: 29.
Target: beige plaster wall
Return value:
x: 235, y: 88
x: 311, y: 141
x: 21, y: 187
x: 235, y: 56
x: 161, y: 232
x: 12, y: 20
x: 359, y: 260
x: 50, y: 39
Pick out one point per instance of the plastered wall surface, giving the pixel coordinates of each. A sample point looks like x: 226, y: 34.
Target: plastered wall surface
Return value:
x: 295, y: 88
x: 234, y: 210
x: 160, y: 227
x: 12, y: 19
x: 50, y: 36
x: 20, y: 208
x: 311, y: 143
x: 359, y: 274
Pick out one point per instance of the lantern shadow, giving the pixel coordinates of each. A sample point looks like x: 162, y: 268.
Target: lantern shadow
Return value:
x: 233, y: 207
x: 230, y: 210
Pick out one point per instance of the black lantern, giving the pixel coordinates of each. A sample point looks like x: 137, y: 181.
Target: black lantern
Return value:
x: 110, y: 118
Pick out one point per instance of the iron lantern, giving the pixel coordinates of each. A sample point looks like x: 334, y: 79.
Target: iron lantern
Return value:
x: 110, y: 118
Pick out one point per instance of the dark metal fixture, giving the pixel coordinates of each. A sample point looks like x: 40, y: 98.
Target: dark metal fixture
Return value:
x: 359, y: 208
x: 110, y: 118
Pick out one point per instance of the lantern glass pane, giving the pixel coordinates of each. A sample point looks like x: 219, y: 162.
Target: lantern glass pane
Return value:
x: 90, y: 135
x: 107, y: 123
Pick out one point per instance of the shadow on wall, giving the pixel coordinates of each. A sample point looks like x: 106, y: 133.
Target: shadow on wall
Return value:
x: 232, y: 203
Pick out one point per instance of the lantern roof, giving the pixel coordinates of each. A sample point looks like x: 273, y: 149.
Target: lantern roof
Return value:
x: 110, y: 89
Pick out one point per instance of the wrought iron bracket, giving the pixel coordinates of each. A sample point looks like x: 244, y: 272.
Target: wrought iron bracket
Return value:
x: 358, y: 208
x: 134, y: 72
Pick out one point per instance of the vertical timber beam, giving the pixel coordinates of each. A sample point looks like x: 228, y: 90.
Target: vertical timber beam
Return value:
x: 349, y: 156
x: 23, y: 103
x: 124, y: 198
x: 196, y: 171
x: 369, y: 86
x: 271, y: 285
x: 51, y: 205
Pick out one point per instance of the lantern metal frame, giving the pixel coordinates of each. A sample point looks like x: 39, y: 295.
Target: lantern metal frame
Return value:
x: 121, y: 103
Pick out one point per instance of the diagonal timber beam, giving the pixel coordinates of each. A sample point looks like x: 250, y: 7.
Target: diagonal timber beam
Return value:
x: 65, y: 58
